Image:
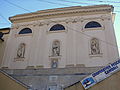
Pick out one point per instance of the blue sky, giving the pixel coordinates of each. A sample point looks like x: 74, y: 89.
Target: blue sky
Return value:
x: 10, y: 8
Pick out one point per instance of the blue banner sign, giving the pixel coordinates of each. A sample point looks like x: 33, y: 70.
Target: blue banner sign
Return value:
x: 101, y: 74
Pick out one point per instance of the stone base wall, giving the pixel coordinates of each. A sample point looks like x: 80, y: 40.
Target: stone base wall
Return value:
x: 51, y: 79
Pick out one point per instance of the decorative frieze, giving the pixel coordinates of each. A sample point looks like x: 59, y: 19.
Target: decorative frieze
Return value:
x: 105, y: 17
x: 68, y: 20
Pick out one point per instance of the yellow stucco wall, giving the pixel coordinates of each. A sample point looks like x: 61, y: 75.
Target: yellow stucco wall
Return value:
x: 3, y: 44
x: 6, y: 83
x: 111, y: 83
x: 2, y: 48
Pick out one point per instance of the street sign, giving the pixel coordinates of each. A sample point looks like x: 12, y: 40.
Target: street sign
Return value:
x: 101, y: 74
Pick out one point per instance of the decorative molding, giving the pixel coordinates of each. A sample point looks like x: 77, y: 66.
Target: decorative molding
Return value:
x: 39, y: 66
x: 62, y: 11
x: 14, y: 27
x: 47, y: 22
x: 60, y: 14
x: 97, y: 55
x: 59, y: 31
x: 105, y: 17
x: 19, y: 59
x: 55, y: 57
x: 30, y: 67
x: 80, y: 65
x: 41, y: 24
x: 4, y: 67
x: 30, y: 24
x: 93, y: 29
x: 70, y: 65
x: 21, y: 35
x: 92, y: 18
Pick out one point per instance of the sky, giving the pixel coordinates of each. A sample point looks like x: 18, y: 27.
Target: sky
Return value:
x: 10, y: 8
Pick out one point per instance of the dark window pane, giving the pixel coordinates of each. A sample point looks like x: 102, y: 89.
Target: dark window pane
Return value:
x: 25, y: 31
x: 57, y: 27
x: 92, y: 24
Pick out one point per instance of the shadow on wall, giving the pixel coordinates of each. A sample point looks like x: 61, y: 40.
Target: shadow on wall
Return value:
x: 9, y: 83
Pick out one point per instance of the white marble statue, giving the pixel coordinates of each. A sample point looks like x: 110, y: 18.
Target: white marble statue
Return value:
x: 56, y: 48
x: 21, y: 51
x: 95, y: 49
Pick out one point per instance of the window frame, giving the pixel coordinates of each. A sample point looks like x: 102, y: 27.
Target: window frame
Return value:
x: 24, y: 30
x: 55, y: 26
x: 56, y: 31
x: 91, y: 29
x: 97, y: 23
x: 26, y: 34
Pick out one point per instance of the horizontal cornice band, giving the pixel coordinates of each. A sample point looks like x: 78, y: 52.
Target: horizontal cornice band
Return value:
x: 47, y: 14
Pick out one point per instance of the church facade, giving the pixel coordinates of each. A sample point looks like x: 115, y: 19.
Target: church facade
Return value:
x: 63, y: 37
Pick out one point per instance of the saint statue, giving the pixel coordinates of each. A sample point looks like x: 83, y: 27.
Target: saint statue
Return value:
x: 21, y: 51
x: 95, y: 46
x: 56, y: 48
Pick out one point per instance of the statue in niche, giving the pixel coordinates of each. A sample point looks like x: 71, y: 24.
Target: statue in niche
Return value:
x: 21, y: 50
x: 95, y: 46
x: 56, y: 48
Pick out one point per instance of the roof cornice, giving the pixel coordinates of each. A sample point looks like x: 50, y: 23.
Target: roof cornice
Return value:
x: 61, y: 11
